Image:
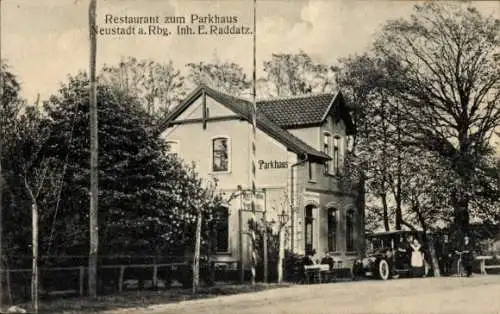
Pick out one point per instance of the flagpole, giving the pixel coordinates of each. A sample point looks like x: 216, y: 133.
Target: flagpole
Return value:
x: 254, y: 130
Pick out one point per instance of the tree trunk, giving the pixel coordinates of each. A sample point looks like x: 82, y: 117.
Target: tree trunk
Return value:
x: 196, y: 258
x: 34, y: 273
x: 383, y: 198
x: 34, y: 244
x: 93, y: 223
x: 281, y: 255
x: 434, y: 259
x: 461, y: 216
x: 399, y: 213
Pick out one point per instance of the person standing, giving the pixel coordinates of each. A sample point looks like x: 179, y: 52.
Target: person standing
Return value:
x: 445, y: 256
x: 417, y: 258
x: 467, y: 255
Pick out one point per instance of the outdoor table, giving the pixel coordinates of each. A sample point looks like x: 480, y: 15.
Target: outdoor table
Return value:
x: 316, y: 271
x: 482, y: 262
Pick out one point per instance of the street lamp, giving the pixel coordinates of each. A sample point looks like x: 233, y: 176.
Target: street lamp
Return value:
x: 282, y: 218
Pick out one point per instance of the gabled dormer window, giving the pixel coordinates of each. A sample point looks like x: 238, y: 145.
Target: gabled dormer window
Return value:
x: 332, y: 147
x: 221, y: 154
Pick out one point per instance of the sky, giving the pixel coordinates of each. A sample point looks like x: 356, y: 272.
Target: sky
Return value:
x: 43, y: 41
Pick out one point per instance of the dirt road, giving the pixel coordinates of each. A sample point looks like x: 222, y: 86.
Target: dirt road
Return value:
x: 453, y: 295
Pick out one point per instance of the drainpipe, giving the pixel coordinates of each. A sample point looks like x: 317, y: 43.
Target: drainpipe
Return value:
x: 292, y: 214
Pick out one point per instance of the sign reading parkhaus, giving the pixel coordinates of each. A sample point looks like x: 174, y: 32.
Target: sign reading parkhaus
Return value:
x: 272, y: 164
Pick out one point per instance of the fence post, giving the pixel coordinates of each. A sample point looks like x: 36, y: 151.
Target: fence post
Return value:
x: 155, y: 276
x: 82, y: 278
x: 120, y: 280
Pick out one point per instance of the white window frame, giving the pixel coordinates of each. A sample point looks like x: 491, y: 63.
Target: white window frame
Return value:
x: 327, y: 140
x: 229, y: 154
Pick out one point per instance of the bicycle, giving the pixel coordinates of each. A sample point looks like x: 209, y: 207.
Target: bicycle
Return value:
x: 460, y: 267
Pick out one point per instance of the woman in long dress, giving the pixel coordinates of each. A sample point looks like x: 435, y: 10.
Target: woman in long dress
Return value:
x: 417, y: 258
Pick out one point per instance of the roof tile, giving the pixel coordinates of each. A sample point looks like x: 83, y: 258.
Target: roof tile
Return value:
x: 297, y: 111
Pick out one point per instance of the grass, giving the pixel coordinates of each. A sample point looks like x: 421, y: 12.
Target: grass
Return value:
x: 142, y: 299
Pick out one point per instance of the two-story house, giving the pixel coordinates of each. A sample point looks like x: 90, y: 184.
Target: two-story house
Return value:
x: 300, y: 147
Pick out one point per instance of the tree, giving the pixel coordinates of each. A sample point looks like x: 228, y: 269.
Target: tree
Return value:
x: 9, y: 93
x: 29, y: 177
x: 34, y: 170
x: 297, y: 74
x: 157, y: 86
x: 447, y: 70
x: 378, y: 143
x: 226, y: 77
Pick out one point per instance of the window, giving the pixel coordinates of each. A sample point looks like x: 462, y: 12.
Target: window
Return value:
x: 308, y: 219
x: 311, y: 171
x: 349, y: 226
x: 336, y: 154
x: 332, y: 229
x: 221, y: 230
x: 220, y: 154
x: 173, y: 147
x: 327, y: 150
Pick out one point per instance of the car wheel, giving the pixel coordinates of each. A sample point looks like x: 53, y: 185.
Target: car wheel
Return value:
x: 383, y: 270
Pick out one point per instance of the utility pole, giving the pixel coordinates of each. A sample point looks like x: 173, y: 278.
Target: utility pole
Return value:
x: 94, y: 179
x: 2, y: 137
x: 254, y: 130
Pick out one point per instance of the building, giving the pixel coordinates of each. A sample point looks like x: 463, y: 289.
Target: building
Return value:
x: 301, y: 143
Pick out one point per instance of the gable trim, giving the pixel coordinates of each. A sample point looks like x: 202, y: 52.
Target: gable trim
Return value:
x: 330, y: 106
x: 202, y: 120
x: 263, y: 123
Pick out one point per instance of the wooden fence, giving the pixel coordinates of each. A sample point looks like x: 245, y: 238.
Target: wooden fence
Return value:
x: 82, y: 276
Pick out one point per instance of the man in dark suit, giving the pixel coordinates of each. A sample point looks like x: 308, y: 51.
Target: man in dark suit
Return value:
x: 445, y: 256
x: 467, y: 255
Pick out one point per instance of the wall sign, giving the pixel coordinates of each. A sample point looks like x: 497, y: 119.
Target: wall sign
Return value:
x: 272, y: 164
x: 259, y: 201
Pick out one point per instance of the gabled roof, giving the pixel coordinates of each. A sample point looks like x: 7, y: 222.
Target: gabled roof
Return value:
x: 306, y: 110
x: 243, y: 108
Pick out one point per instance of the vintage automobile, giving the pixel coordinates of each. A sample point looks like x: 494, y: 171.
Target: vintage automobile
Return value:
x: 384, y: 261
